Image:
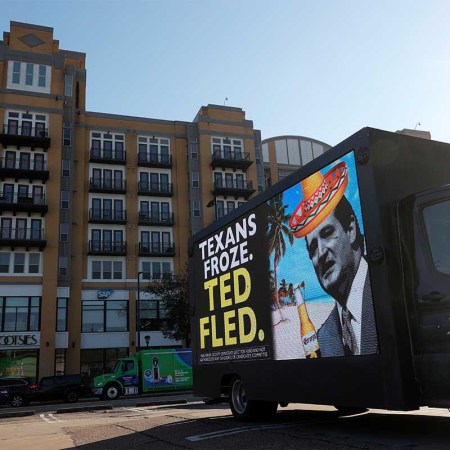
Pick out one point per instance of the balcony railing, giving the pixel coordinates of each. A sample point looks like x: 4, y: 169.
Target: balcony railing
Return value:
x: 150, y: 218
x: 118, y: 248
x: 32, y: 169
x: 107, y: 185
x: 234, y: 160
x: 159, y: 189
x: 107, y: 215
x: 23, y: 203
x: 154, y: 160
x: 107, y: 155
x: 156, y: 249
x: 25, y: 136
x: 23, y: 237
x: 236, y: 188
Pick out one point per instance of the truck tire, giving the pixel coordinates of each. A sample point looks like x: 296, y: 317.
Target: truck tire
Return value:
x: 111, y: 392
x: 70, y: 396
x: 245, y: 409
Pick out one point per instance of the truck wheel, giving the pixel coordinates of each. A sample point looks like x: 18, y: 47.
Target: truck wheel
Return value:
x: 111, y: 392
x: 245, y: 409
x: 70, y: 397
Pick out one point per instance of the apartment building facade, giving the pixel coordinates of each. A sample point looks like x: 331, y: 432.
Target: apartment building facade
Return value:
x: 93, y: 205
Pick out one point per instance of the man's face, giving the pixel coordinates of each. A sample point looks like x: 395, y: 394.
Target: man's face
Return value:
x: 332, y: 255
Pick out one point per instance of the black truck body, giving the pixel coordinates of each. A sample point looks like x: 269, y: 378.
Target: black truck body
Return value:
x: 246, y: 319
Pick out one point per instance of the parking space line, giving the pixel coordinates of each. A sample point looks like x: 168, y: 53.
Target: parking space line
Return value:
x: 50, y: 419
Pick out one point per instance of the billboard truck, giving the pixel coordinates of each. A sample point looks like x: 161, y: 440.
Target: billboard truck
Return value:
x: 148, y: 371
x: 333, y: 286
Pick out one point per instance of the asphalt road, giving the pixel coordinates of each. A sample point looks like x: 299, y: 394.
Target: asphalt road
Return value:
x: 190, y: 424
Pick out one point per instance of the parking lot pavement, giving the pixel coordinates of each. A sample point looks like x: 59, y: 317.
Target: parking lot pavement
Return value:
x: 94, y: 404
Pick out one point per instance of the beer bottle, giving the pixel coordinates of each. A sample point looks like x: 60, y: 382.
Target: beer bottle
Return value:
x: 308, y: 333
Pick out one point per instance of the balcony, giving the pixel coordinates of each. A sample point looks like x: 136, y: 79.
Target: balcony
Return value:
x: 25, y: 136
x: 23, y: 203
x: 157, y: 189
x: 107, y: 248
x: 107, y: 156
x: 22, y: 237
x: 228, y: 159
x: 149, y: 218
x: 107, y: 216
x: 107, y: 185
x: 154, y: 160
x: 156, y: 249
x: 233, y: 188
x: 34, y: 169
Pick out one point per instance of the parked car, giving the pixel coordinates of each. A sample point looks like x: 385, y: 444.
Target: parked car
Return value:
x: 21, y: 390
x: 4, y: 396
x: 63, y: 387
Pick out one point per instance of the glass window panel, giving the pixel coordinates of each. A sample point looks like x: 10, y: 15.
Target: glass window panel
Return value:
x: 4, y: 263
x: 29, y: 75
x: 19, y: 262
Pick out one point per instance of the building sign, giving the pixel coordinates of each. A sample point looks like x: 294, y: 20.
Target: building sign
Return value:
x: 20, y: 340
x: 104, y: 294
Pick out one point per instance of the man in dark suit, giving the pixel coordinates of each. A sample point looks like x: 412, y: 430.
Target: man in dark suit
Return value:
x: 336, y: 248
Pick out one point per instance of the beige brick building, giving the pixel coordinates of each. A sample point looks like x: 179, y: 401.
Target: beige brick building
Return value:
x: 94, y: 204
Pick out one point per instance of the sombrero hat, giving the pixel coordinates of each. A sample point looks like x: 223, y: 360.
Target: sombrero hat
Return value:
x: 321, y: 194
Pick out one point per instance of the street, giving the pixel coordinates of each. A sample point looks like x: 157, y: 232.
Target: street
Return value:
x: 191, y: 424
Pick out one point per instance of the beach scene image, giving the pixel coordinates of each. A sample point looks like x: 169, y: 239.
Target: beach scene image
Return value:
x: 290, y: 267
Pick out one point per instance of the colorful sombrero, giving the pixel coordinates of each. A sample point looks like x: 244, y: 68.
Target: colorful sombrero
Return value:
x: 321, y: 194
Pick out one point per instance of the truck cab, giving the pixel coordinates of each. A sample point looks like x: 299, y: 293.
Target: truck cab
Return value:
x: 123, y: 380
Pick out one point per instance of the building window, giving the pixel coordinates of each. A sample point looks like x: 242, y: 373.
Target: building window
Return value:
x: 152, y: 315
x: 16, y: 72
x: 67, y: 135
x: 226, y: 148
x: 195, y: 179
x: 34, y: 260
x: 26, y: 124
x: 61, y: 314
x: 60, y: 361
x: 193, y: 151
x: 153, y: 150
x: 107, y: 270
x: 62, y: 265
x: 107, y: 146
x: 100, y: 316
x: 65, y: 195
x: 156, y: 270
x: 29, y: 77
x: 99, y: 361
x: 19, y: 313
x: 196, y: 208
x: 42, y: 76
x: 20, y: 263
x: 64, y: 232
x: 68, y: 85
x: 65, y: 168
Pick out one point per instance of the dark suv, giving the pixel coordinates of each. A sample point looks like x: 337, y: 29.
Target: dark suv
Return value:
x: 63, y: 387
x: 21, y: 390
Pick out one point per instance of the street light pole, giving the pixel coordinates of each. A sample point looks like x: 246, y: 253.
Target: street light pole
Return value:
x: 138, y: 311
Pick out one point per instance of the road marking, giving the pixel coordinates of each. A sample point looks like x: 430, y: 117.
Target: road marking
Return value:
x: 50, y: 419
x: 214, y: 434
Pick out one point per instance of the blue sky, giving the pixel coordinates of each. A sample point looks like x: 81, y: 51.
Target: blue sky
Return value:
x: 322, y: 69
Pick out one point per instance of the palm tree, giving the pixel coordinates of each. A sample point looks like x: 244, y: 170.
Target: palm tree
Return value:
x: 277, y: 229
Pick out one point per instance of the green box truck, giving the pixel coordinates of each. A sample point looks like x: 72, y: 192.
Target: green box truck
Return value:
x: 147, y: 371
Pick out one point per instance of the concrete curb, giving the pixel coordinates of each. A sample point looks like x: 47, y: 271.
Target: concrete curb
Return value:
x: 5, y: 415
x: 82, y: 408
